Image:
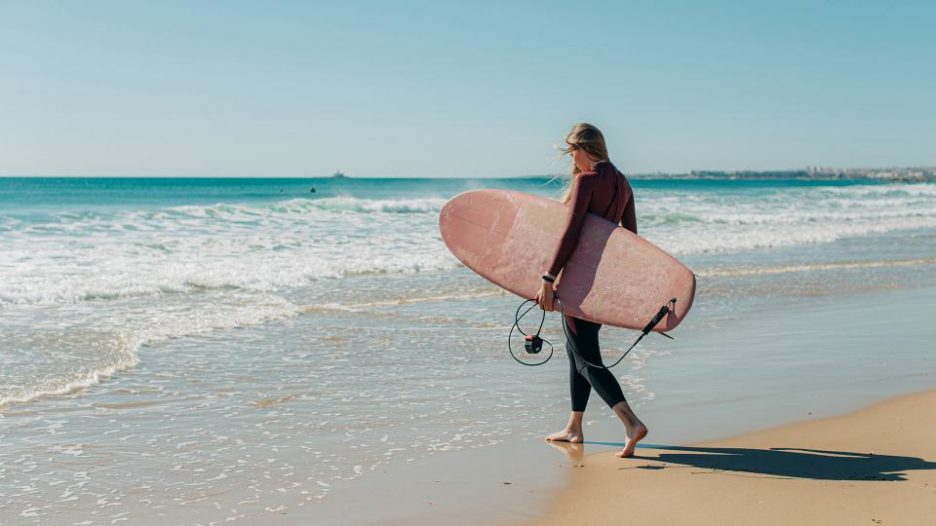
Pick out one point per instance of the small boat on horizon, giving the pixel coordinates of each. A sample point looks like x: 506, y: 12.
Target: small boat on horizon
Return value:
x: 339, y: 175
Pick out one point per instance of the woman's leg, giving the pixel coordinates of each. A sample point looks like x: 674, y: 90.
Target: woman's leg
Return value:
x: 586, y: 347
x: 579, y: 386
x: 579, y: 389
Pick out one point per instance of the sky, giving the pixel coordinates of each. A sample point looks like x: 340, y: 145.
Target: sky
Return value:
x: 461, y: 89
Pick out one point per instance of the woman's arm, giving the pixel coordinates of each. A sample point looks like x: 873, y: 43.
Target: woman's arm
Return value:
x: 581, y: 195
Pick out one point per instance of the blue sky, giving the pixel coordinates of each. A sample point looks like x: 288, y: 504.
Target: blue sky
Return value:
x: 460, y: 89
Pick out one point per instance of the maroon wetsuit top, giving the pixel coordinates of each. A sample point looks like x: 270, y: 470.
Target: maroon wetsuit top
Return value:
x: 595, y: 192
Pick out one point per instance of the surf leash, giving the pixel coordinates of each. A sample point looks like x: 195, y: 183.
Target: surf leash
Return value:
x: 664, y: 310
x: 533, y: 342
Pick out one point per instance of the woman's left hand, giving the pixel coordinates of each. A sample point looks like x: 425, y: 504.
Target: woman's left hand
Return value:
x: 546, y: 296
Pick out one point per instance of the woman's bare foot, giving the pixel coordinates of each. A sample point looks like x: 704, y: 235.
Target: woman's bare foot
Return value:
x: 639, y: 432
x: 572, y: 431
x: 635, y: 429
x: 567, y: 435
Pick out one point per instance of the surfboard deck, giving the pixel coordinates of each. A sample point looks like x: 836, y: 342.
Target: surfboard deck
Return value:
x: 613, y: 276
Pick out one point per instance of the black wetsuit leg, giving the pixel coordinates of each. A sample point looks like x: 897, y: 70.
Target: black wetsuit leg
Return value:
x: 581, y: 345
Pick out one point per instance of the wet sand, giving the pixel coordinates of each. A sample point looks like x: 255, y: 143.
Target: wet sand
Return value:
x: 873, y: 466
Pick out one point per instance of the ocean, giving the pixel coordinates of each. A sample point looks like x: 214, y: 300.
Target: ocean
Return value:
x: 200, y: 350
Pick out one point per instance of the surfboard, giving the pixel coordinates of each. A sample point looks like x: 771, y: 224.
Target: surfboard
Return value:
x: 613, y: 276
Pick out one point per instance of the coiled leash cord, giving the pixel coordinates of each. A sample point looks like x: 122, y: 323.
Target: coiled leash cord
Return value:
x: 533, y: 343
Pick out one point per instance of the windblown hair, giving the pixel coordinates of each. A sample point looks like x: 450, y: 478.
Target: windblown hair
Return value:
x: 588, y: 138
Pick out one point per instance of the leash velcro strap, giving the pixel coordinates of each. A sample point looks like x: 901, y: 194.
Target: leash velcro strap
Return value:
x: 664, y: 310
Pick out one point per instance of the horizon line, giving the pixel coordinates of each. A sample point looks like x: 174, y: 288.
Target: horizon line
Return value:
x: 810, y: 170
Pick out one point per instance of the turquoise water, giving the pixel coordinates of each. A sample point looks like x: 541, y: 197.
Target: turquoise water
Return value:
x: 71, y: 240
x: 70, y: 191
x: 237, y: 348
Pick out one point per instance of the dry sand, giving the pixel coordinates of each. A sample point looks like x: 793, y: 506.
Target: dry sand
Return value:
x: 874, y: 466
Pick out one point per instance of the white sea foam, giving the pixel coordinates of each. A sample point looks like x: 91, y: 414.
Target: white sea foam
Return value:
x: 38, y: 363
x: 62, y: 356
x: 70, y: 258
x: 193, y: 269
x: 689, y: 223
x: 80, y: 256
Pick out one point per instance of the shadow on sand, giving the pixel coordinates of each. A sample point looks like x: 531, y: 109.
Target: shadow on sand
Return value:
x: 787, y: 462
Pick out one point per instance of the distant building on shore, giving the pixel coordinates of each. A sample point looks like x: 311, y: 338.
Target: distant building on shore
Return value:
x: 906, y: 174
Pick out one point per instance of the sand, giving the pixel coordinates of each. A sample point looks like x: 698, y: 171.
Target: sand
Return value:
x: 873, y: 466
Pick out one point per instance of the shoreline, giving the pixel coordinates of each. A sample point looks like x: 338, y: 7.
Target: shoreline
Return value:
x: 764, y: 383
x: 251, y: 405
x: 518, y: 479
x: 875, y: 465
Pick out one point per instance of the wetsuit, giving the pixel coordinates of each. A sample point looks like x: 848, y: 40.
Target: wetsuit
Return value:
x: 607, y: 193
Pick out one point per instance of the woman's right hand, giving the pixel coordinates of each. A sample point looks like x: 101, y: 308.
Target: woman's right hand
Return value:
x: 546, y: 296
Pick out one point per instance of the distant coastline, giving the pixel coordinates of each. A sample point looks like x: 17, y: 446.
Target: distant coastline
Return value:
x: 895, y: 174
x: 903, y: 174
x: 922, y: 174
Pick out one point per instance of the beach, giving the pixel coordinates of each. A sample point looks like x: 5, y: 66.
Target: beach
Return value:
x: 226, y: 297
x: 873, y: 466
x: 183, y: 351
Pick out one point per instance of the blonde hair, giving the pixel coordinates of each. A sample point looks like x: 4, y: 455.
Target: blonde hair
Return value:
x: 586, y: 137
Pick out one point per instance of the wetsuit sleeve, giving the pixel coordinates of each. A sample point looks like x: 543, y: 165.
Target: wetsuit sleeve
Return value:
x: 581, y: 195
x: 629, y: 219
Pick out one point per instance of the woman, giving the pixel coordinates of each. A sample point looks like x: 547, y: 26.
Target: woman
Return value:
x: 599, y: 188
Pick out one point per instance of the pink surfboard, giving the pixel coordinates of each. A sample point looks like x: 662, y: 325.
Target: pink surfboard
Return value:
x: 613, y: 277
